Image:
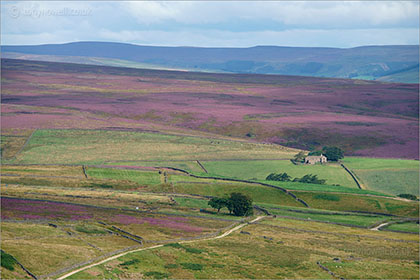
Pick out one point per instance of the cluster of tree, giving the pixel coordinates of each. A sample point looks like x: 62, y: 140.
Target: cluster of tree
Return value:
x: 332, y: 153
x: 279, y: 177
x: 239, y: 204
x: 308, y: 178
x: 408, y: 196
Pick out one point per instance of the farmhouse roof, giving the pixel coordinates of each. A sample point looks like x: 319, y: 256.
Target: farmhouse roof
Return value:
x: 315, y: 157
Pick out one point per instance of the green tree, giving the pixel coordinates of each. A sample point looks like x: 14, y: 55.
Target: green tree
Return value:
x: 332, y: 153
x: 241, y: 204
x: 299, y: 157
x: 408, y: 196
x: 315, y: 153
x: 279, y: 177
x: 218, y: 203
x: 311, y: 179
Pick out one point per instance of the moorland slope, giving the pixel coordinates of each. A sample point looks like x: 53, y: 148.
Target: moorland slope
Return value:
x: 364, y: 118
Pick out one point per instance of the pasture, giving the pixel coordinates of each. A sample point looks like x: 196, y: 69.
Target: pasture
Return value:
x: 343, y: 218
x: 260, y: 169
x: 391, y: 176
x: 99, y: 146
x: 352, y: 202
x: 405, y: 227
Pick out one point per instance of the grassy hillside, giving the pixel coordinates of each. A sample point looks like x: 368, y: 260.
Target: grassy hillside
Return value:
x: 88, y: 171
x: 260, y: 169
x: 392, y: 176
x: 99, y: 146
x: 294, y: 246
x: 56, y: 212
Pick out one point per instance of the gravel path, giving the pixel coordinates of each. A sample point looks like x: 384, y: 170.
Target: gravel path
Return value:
x: 156, y: 246
x: 379, y: 226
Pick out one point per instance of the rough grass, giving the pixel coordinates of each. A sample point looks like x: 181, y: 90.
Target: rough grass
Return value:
x: 258, y: 193
x: 192, y: 202
x: 45, y: 249
x: 98, y: 197
x: 321, y: 188
x: 190, y: 166
x: 9, y: 269
x: 343, y: 218
x: 140, y: 177
x: 392, y: 176
x: 99, y: 146
x: 90, y: 229
x: 44, y: 170
x: 43, y: 255
x: 260, y: 169
x: 10, y: 145
x: 289, y: 254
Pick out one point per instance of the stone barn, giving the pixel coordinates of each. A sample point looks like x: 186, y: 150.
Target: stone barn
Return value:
x: 315, y: 159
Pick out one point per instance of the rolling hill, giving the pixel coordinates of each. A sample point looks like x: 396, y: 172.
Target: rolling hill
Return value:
x: 387, y: 63
x: 365, y: 118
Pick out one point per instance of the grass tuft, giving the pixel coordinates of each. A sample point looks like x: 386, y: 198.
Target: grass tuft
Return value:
x: 7, y: 261
x: 192, y: 266
x: 329, y: 197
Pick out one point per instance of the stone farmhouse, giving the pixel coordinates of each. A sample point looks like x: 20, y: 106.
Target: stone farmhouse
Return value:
x: 315, y: 159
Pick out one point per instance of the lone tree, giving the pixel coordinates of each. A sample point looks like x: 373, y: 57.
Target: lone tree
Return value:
x: 218, y: 203
x: 241, y: 204
x: 332, y: 153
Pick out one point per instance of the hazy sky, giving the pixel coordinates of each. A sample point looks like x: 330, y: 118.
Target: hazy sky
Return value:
x: 213, y: 23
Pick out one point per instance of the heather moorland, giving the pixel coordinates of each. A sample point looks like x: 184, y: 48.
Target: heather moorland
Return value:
x: 112, y: 173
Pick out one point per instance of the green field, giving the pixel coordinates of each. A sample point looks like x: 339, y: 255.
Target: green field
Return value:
x: 321, y: 188
x: 261, y: 194
x: 219, y: 189
x: 99, y: 146
x: 260, y: 169
x: 189, y: 166
x: 408, y: 226
x: 391, y: 176
x: 189, y: 185
x: 351, y: 202
x: 324, y: 216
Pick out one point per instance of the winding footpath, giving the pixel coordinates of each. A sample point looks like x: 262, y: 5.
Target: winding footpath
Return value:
x: 157, y: 246
x: 380, y: 226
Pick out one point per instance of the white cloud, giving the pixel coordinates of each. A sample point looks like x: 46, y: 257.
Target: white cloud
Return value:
x: 209, y: 23
x: 298, y: 37
x: 298, y: 13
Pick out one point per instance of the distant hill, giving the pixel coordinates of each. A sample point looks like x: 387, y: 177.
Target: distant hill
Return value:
x: 385, y: 63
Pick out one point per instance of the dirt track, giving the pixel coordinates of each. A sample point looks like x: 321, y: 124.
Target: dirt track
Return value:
x: 157, y: 246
